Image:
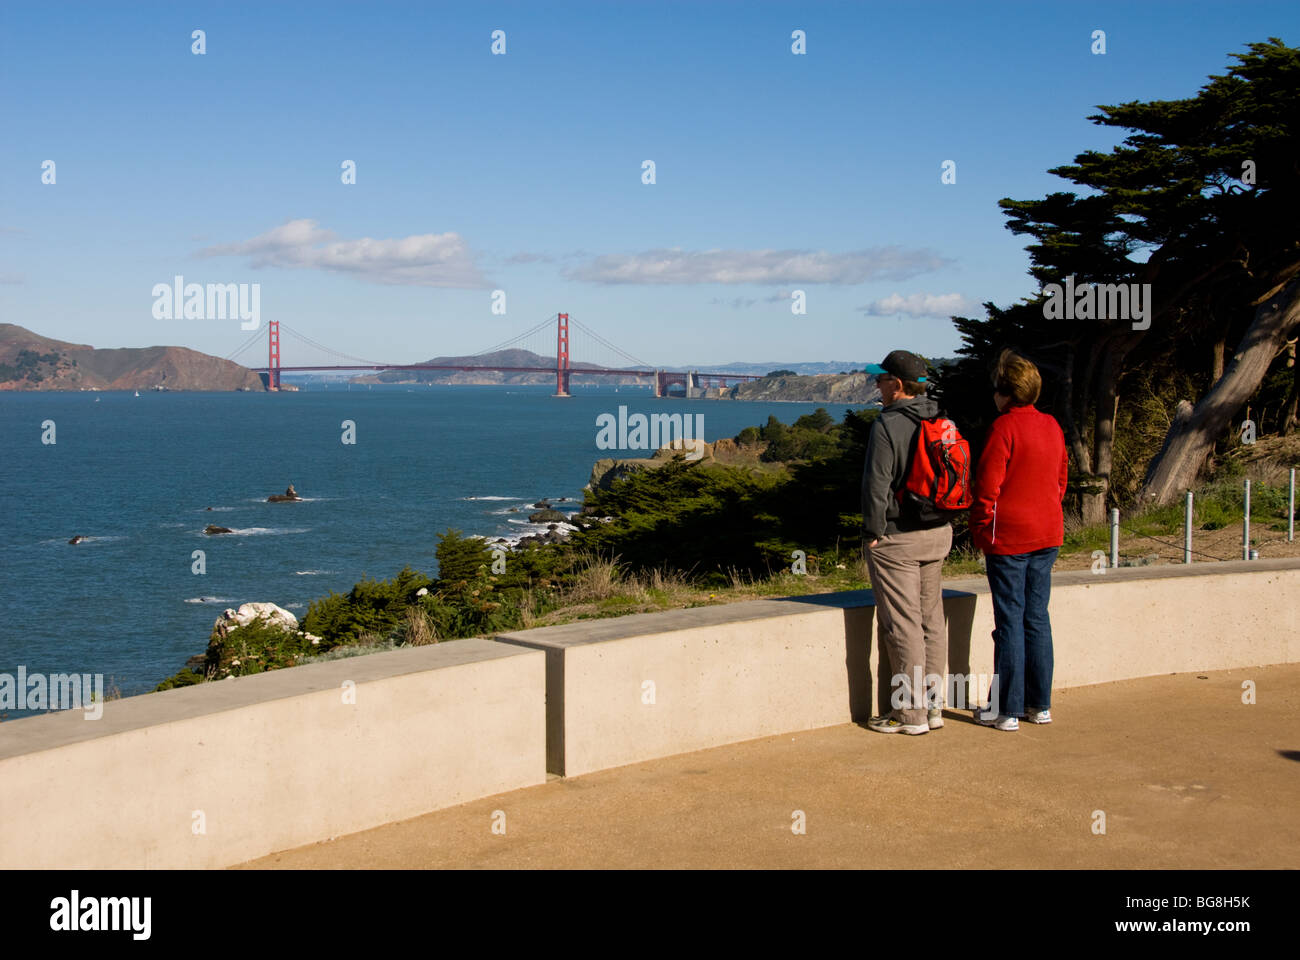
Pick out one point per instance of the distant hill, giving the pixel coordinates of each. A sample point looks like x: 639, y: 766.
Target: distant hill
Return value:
x: 29, y: 361
x: 852, y: 386
x: 501, y: 358
x: 810, y: 368
x: 821, y: 388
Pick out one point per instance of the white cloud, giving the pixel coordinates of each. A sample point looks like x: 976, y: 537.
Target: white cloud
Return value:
x: 785, y: 267
x: 941, y: 305
x: 424, y: 260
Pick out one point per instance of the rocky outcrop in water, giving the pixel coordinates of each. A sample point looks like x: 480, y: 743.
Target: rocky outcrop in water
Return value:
x: 288, y: 495
x: 547, y: 516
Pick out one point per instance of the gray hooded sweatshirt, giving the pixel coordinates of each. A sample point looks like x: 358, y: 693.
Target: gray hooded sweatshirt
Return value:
x: 889, y: 448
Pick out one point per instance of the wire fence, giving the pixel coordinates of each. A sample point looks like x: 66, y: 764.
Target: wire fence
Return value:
x: 1249, y: 547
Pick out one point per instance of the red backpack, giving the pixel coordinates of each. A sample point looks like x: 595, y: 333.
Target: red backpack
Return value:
x: 938, y: 481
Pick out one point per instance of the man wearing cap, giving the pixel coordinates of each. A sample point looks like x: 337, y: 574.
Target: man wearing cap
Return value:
x: 904, y: 555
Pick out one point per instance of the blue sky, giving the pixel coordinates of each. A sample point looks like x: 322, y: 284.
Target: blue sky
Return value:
x: 475, y: 172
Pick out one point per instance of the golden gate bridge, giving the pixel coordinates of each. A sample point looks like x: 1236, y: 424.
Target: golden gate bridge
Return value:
x: 692, y: 383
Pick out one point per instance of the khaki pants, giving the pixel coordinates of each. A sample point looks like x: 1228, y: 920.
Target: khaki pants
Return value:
x: 906, y: 572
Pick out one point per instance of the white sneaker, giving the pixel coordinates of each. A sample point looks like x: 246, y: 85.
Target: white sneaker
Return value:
x: 1038, y: 716
x: 934, y: 718
x: 1000, y: 722
x: 890, y: 725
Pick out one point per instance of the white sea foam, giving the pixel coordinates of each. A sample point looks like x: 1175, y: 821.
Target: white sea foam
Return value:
x: 312, y: 573
x: 264, y: 531
x: 518, y: 499
x: 209, y: 600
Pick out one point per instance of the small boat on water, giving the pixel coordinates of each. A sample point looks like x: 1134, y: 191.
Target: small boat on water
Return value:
x: 137, y: 393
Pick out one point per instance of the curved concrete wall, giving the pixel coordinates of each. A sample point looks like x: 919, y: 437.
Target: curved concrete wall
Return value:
x: 224, y: 772
x: 634, y: 688
x: 282, y: 759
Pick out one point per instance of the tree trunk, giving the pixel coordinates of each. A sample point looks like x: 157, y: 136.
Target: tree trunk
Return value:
x: 1091, y: 489
x: 1103, y: 434
x: 1189, y: 441
x: 1289, y: 408
x: 1216, y: 363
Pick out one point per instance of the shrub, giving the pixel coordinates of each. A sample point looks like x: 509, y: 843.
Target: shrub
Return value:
x: 371, y: 606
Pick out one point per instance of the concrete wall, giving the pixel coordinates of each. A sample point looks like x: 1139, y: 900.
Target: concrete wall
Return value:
x: 279, y: 760
x: 272, y: 761
x: 735, y: 672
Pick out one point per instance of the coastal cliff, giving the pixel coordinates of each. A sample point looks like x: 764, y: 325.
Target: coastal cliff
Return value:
x: 819, y: 388
x: 29, y: 361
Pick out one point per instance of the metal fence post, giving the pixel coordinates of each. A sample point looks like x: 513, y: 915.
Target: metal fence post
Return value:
x: 1187, y: 530
x: 1290, y: 509
x: 1245, y: 527
x: 1114, y: 537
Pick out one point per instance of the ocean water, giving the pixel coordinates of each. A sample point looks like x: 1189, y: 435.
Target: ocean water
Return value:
x: 135, y: 476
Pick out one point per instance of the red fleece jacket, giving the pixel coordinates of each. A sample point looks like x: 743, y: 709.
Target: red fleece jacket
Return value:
x: 1020, y: 484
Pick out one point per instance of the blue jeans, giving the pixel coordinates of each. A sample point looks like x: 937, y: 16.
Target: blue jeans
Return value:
x: 1021, y: 585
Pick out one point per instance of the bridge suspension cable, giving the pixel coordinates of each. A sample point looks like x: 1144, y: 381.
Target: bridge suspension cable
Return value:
x: 605, y: 343
x: 255, y: 338
x: 333, y: 353
x: 523, y: 336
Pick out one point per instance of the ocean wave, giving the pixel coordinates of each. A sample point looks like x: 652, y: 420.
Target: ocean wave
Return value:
x: 219, y: 509
x: 312, y: 573
x: 64, y: 540
x: 209, y: 600
x: 299, y: 500
x: 262, y: 531
x: 543, y: 527
x: 517, y: 499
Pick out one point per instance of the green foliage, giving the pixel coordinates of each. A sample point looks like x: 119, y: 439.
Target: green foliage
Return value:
x: 256, y: 648
x: 461, y: 557
x: 813, y: 436
x: 781, y: 373
x: 186, y: 678
x: 709, y: 519
x: 370, y: 607
x: 26, y: 366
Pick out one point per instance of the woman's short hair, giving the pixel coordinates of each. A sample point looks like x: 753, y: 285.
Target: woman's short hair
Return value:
x: 1017, y: 378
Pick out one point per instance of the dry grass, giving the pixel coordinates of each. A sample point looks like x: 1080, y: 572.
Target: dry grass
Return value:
x: 417, y: 628
x: 597, y: 578
x: 527, y: 604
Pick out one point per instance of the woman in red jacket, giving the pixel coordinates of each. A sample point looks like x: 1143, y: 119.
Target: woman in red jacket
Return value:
x: 1016, y: 520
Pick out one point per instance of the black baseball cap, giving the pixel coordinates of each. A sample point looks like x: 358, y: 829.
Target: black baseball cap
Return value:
x: 901, y: 364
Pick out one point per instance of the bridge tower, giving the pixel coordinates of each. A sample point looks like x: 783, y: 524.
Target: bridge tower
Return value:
x: 562, y: 356
x: 273, y: 356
